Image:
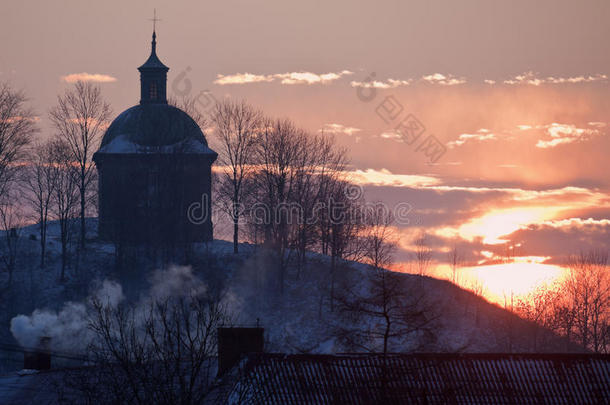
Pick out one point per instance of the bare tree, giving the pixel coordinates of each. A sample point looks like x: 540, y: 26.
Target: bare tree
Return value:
x: 39, y: 180
x: 236, y: 125
x: 279, y: 150
x: 475, y: 286
x: 161, y: 352
x: 455, y: 261
x: 541, y: 307
x: 565, y: 316
x: 379, y: 240
x: 588, y: 292
x: 12, y: 220
x: 340, y: 224
x: 80, y: 117
x: 423, y: 255
x: 17, y: 126
x: 315, y: 189
x: 65, y: 197
x: 275, y: 177
x: 380, y: 248
x: 577, y: 308
x: 388, y: 311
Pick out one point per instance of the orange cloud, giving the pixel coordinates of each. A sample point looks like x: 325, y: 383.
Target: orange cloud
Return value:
x: 88, y: 77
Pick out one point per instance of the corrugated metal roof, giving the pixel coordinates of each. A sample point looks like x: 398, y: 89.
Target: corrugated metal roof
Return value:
x: 426, y: 379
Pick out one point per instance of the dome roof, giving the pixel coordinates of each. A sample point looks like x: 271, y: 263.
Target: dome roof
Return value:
x: 153, y: 128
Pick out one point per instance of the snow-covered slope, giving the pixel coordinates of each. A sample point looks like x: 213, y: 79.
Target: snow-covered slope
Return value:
x: 298, y: 319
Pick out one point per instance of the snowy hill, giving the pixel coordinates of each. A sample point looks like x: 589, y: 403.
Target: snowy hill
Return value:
x: 299, y: 320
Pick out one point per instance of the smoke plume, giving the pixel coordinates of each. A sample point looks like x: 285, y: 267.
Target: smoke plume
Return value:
x: 68, y: 327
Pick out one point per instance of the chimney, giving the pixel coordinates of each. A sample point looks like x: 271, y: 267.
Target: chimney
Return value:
x: 40, y: 358
x: 234, y: 343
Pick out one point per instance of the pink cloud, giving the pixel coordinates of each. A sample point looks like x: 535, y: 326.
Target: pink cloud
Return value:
x: 480, y: 136
x: 444, y: 80
x: 339, y: 129
x: 562, y: 134
x: 532, y: 79
x: 284, y: 78
x: 376, y: 84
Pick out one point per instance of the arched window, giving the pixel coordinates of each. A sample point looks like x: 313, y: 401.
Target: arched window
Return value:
x: 153, y: 90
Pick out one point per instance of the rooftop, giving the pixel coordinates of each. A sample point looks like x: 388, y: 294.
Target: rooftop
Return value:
x: 426, y: 378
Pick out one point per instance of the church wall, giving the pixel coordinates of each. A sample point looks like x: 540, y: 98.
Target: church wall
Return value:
x: 145, y: 199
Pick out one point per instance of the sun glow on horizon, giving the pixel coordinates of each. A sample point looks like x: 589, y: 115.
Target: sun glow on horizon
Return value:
x: 500, y: 282
x: 497, y: 223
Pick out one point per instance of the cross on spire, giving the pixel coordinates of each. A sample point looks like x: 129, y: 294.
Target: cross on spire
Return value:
x: 153, y: 73
x: 154, y: 20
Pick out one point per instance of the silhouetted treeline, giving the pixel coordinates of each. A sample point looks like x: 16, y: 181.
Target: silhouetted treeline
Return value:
x: 577, y: 307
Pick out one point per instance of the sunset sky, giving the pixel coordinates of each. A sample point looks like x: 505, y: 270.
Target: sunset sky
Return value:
x: 518, y: 92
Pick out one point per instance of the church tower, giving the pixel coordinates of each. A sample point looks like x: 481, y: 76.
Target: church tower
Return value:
x: 154, y: 170
x: 153, y: 78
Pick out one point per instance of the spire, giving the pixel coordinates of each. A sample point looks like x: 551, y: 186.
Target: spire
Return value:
x: 154, y: 40
x: 153, y: 74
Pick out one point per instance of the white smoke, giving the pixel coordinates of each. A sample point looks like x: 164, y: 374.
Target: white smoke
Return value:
x: 110, y: 293
x: 68, y: 327
x: 177, y: 281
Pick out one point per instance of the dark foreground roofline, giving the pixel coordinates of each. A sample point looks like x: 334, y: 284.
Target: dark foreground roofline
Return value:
x: 425, y: 378
x: 468, y: 355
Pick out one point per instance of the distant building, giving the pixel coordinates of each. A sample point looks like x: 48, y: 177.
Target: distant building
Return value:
x: 154, y: 167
